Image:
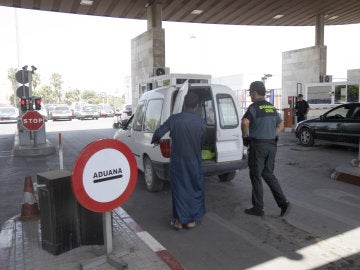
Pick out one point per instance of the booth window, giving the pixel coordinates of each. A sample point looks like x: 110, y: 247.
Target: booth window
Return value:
x: 319, y: 94
x: 353, y: 93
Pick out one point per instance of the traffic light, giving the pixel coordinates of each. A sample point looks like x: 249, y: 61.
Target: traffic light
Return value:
x: 22, y: 77
x: 38, y: 103
x: 23, y: 104
x: 290, y: 99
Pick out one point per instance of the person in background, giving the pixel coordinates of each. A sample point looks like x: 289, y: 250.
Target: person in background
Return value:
x: 187, y: 133
x: 261, y: 126
x: 301, y: 108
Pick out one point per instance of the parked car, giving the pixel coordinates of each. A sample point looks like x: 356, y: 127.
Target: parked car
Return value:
x: 61, y: 112
x: 222, y: 151
x: 126, y: 112
x: 8, y: 114
x: 43, y: 112
x: 340, y: 124
x: 121, y: 116
x: 75, y: 107
x: 49, y: 109
x: 88, y: 112
x: 105, y: 110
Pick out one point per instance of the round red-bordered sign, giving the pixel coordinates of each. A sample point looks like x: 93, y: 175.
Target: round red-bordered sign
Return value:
x: 104, y: 175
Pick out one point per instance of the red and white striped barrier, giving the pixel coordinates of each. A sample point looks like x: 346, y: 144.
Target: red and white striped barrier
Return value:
x: 150, y: 241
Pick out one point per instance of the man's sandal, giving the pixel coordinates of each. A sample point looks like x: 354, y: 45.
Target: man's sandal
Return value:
x: 192, y: 225
x: 176, y: 225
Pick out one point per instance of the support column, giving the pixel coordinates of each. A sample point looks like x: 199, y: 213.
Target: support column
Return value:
x: 319, y: 42
x: 319, y: 30
x: 154, y: 16
x: 147, y: 50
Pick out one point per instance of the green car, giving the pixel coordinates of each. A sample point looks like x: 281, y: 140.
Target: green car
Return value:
x: 340, y: 124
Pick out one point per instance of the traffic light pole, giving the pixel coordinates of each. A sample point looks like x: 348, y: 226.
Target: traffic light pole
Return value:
x: 23, y: 79
x: 31, y: 136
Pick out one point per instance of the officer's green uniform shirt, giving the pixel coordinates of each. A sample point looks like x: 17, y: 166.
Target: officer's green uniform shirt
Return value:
x: 263, y: 118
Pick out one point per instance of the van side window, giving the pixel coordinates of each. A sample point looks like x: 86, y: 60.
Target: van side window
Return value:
x: 153, y: 115
x: 227, y: 111
x: 129, y: 123
x: 139, y: 116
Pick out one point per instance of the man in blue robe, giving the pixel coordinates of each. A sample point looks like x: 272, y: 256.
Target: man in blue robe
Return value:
x: 187, y: 132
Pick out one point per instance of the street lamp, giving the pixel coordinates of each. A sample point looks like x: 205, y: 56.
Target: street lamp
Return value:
x: 265, y: 77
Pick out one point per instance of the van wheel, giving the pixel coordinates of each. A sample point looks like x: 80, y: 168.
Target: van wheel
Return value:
x: 226, y: 177
x: 153, y: 183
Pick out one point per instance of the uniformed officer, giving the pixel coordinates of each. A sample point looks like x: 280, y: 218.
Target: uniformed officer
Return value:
x: 301, y: 108
x: 261, y: 126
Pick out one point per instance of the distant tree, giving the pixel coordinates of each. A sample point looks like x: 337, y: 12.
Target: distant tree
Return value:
x: 47, y: 94
x: 72, y: 96
x: 11, y: 76
x: 56, y: 82
x: 11, y: 99
x: 116, y: 102
x: 91, y: 97
x: 35, y: 80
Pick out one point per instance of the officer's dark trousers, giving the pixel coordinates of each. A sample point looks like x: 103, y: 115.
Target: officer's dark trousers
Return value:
x: 261, y: 164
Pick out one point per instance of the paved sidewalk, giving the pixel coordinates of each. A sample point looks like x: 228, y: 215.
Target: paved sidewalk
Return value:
x: 20, y: 248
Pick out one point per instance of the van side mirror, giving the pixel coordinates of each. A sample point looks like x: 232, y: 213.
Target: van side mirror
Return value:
x: 116, y: 125
x: 322, y: 117
x: 123, y: 123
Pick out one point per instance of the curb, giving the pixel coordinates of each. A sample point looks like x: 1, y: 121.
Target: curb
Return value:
x: 150, y: 241
x: 7, y: 236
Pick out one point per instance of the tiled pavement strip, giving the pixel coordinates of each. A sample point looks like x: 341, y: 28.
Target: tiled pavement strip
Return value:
x: 20, y: 248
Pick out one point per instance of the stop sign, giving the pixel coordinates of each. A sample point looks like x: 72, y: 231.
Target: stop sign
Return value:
x: 32, y: 120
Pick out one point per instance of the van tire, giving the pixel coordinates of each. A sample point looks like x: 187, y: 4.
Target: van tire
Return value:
x: 153, y: 183
x: 226, y: 177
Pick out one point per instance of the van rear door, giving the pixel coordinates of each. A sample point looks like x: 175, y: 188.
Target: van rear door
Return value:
x: 179, y: 101
x: 229, y: 144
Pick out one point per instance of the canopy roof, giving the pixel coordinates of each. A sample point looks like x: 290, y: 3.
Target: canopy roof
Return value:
x: 232, y: 12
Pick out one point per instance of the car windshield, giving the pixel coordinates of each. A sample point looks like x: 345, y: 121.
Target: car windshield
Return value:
x: 89, y: 108
x: 61, y: 109
x: 7, y: 111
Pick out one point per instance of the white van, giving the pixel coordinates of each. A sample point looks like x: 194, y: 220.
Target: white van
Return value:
x: 222, y: 153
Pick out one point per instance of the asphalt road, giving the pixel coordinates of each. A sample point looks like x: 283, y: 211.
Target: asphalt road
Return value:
x: 322, y: 230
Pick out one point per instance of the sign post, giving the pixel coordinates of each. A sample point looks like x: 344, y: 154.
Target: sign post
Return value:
x: 103, y: 178
x: 32, y: 121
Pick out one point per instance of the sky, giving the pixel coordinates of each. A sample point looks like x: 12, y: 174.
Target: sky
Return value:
x: 94, y: 53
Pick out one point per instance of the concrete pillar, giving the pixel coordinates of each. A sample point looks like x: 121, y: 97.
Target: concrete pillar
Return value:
x: 319, y: 42
x: 154, y: 16
x: 147, y: 50
x: 319, y: 30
